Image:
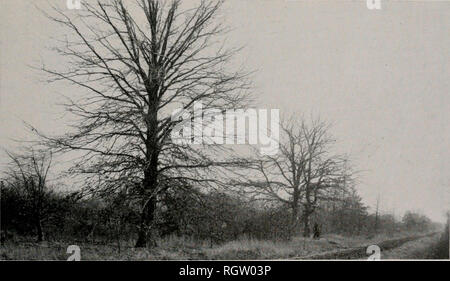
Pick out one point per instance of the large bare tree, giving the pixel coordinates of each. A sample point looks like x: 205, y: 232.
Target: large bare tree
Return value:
x: 133, y: 62
x: 303, y: 173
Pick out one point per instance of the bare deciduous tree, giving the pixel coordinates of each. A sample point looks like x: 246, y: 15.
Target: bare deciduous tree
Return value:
x: 303, y: 173
x: 28, y: 175
x: 136, y: 62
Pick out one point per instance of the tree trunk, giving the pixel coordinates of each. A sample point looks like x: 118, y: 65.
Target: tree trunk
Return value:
x: 294, y: 221
x: 294, y: 218
x: 40, y: 234
x: 307, y: 211
x: 145, y: 237
x: 306, y: 230
x: 150, y: 183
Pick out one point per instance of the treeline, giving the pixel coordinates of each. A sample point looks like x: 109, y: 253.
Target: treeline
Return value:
x: 303, y: 190
x: 214, y: 217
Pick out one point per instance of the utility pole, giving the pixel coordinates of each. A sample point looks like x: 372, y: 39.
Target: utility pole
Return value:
x: 376, y: 214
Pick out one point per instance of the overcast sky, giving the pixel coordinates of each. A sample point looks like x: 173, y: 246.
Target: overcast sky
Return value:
x: 381, y: 76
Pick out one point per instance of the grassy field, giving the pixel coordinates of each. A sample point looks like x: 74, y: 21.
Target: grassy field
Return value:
x: 181, y: 248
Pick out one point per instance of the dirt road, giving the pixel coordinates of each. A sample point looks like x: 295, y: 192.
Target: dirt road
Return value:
x: 413, y: 247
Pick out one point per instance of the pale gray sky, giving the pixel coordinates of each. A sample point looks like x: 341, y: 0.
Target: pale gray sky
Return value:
x: 381, y: 76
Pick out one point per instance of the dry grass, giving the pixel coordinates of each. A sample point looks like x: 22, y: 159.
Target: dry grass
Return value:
x: 184, y: 248
x: 169, y: 248
x: 257, y: 249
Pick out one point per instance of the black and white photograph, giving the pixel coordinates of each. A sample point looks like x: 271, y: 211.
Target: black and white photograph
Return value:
x: 225, y: 130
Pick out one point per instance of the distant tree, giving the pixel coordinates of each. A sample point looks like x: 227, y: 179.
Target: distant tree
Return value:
x: 347, y: 213
x: 135, y: 62
x: 304, y: 172
x: 416, y: 221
